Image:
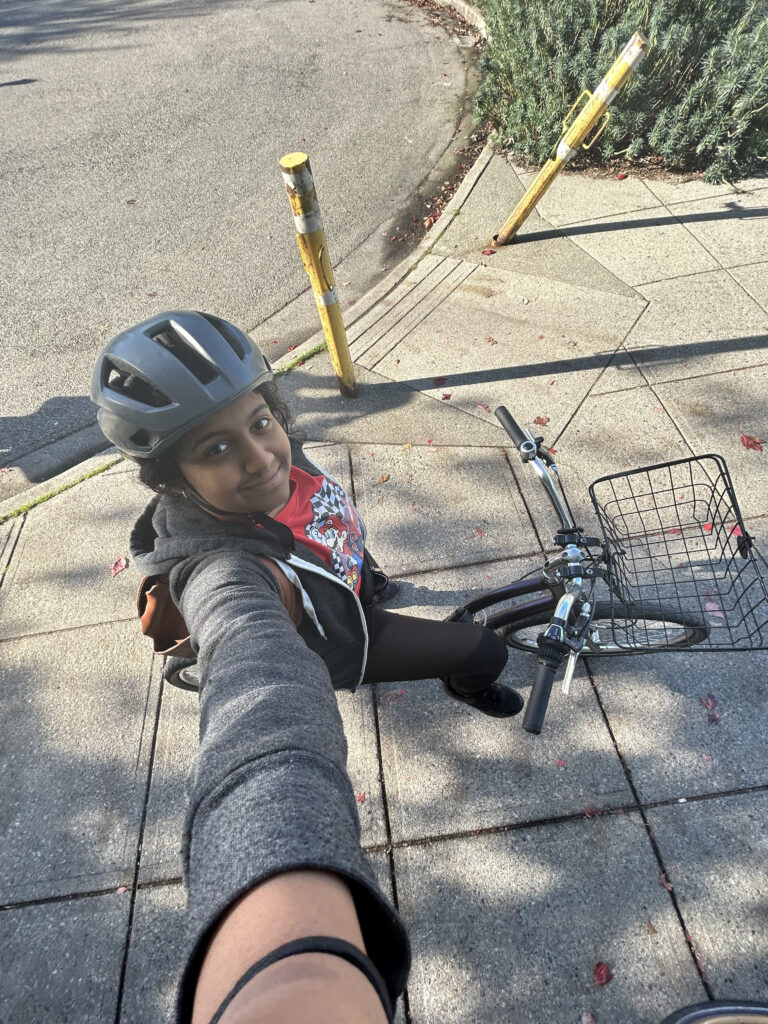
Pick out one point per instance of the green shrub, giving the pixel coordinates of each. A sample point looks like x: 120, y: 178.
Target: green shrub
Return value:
x: 699, y: 100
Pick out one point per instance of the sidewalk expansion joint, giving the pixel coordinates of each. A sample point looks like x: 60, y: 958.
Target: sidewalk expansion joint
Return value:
x: 703, y: 797
x: 139, y: 845
x: 641, y: 809
x: 44, y: 901
x: 6, y: 563
x: 67, y: 629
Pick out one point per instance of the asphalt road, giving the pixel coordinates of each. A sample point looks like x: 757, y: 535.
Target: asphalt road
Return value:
x: 139, y: 172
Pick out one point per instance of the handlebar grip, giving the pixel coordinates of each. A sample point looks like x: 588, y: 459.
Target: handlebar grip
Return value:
x: 536, y: 708
x: 507, y: 420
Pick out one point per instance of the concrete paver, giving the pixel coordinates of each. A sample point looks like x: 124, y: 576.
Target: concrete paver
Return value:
x: 60, y: 572
x: 716, y: 852
x: 73, y: 974
x: 754, y: 279
x: 644, y: 246
x: 76, y: 733
x: 669, y: 343
x: 734, y: 229
x: 665, y: 734
x: 510, y: 926
x: 439, y: 506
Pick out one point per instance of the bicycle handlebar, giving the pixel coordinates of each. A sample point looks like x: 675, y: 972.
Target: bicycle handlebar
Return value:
x: 510, y: 424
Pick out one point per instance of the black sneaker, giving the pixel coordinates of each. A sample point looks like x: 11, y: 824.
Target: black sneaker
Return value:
x: 384, y: 589
x: 182, y: 672
x: 495, y: 700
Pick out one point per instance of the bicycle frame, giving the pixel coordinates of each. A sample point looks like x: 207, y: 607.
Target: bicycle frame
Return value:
x: 508, y: 593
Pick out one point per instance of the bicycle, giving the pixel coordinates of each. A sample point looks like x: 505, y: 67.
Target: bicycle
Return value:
x: 674, y: 570
x: 731, y: 1011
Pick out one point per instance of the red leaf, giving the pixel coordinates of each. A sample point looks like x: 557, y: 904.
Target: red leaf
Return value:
x: 603, y: 973
x: 591, y: 812
x: 478, y: 532
x: 674, y: 531
x: 7, y: 469
x: 430, y: 441
x: 706, y: 758
x: 394, y: 697
x: 560, y: 763
x: 750, y: 441
x: 483, y: 407
x: 118, y: 565
x: 708, y: 702
x: 707, y: 527
x: 621, y: 177
x: 489, y: 252
x: 121, y: 889
x: 291, y: 348
x: 664, y: 883
x: 541, y: 421
x: 361, y: 798
x: 446, y: 396
x: 552, y: 451
x: 587, y: 1018
x: 735, y: 531
x: 439, y: 381
x: 491, y: 341
x: 541, y: 337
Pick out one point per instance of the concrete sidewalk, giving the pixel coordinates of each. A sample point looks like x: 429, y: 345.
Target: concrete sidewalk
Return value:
x: 633, y: 316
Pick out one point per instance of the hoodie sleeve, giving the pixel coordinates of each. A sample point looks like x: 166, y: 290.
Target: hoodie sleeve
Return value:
x: 268, y: 790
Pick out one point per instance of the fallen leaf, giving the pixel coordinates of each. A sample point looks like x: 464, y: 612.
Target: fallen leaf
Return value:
x: 621, y: 177
x: 489, y: 252
x: 591, y: 812
x: 587, y: 1018
x: 713, y: 718
x: 361, y: 798
x: 130, y: 202
x: 446, y: 397
x: 291, y: 348
x: 394, y: 697
x: 406, y: 447
x: 675, y: 531
x: 709, y: 702
x: 152, y: 295
x: 707, y: 527
x: 552, y: 451
x: 541, y: 337
x: 483, y: 407
x: 383, y: 478
x: 650, y: 929
x: 750, y: 441
x: 714, y: 609
x: 560, y: 762
x: 439, y: 381
x: 603, y: 973
x: 429, y: 440
x: 541, y: 421
x: 706, y: 758
x: 664, y: 883
x: 121, y: 889
x: 118, y: 565
x: 735, y: 531
x: 5, y: 469
x: 478, y: 532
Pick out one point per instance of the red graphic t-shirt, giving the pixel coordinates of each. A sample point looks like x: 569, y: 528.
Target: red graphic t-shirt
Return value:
x: 320, y: 515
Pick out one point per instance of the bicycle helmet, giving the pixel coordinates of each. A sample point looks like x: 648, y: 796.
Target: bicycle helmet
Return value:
x: 157, y: 380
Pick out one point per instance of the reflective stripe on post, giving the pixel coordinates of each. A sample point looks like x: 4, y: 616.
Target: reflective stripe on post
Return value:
x: 574, y: 135
x: 310, y: 235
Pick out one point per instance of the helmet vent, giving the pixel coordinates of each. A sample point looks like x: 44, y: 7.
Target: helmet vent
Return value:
x: 187, y: 356
x: 135, y: 387
x: 227, y: 334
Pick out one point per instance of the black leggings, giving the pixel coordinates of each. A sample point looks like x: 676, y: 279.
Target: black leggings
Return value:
x: 403, y: 647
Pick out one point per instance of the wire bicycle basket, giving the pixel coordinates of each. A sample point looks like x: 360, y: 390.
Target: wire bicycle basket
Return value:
x: 676, y: 538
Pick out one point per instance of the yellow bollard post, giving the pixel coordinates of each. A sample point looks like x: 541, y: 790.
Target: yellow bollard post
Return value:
x: 568, y: 146
x: 314, y: 255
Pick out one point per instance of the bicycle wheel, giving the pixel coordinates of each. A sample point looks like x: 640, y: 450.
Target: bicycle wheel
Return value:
x: 617, y: 630
x: 721, y: 1012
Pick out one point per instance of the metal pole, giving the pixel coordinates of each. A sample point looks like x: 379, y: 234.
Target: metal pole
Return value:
x: 314, y: 255
x: 573, y: 137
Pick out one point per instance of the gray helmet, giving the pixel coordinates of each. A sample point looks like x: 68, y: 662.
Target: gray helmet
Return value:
x: 157, y: 380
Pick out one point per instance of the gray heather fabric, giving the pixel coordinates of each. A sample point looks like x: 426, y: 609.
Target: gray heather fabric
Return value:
x: 268, y: 790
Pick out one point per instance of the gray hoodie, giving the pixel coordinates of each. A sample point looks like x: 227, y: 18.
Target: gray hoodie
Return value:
x: 268, y: 790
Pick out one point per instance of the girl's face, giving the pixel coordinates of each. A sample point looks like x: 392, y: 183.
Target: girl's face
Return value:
x: 239, y: 459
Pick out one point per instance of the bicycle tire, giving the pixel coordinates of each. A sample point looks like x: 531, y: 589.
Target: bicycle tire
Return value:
x: 720, y: 1012
x: 675, y: 630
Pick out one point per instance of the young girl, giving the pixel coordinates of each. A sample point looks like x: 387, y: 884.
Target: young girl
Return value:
x: 267, y: 564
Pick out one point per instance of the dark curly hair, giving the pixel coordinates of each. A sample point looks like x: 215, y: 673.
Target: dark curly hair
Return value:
x: 163, y: 474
